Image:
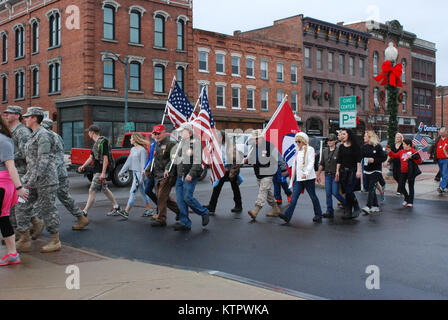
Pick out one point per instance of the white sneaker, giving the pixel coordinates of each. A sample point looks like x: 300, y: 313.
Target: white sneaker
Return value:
x: 366, y: 211
x: 405, y: 204
x: 375, y: 210
x: 398, y: 194
x: 410, y: 205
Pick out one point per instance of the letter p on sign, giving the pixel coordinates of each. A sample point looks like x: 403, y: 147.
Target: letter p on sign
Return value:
x: 373, y: 280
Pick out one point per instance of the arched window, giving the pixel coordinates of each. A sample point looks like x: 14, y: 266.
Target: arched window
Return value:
x: 134, y: 76
x: 54, y: 77
x: 108, y: 73
x: 19, y: 32
x: 4, y: 47
x: 403, y: 75
x: 180, y: 34
x: 35, y: 36
x: 375, y: 63
x: 55, y: 29
x: 159, y: 78
x: 135, y: 26
x: 109, y: 22
x: 159, y: 31
x: 20, y: 84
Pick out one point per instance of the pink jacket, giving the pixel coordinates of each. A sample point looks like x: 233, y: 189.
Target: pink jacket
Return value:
x: 10, y: 198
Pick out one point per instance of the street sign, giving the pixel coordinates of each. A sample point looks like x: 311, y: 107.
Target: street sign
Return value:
x: 129, y: 127
x: 347, y: 112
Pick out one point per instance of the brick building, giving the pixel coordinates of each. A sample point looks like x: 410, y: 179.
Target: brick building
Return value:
x: 382, y: 34
x: 335, y: 63
x: 49, y: 61
x: 245, y: 79
x: 424, y: 82
x: 441, y: 112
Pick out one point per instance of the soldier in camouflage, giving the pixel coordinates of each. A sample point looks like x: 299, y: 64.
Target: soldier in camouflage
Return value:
x: 63, y: 193
x: 20, y: 135
x: 41, y: 177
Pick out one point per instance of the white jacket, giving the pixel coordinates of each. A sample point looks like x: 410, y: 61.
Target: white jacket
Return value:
x: 298, y: 170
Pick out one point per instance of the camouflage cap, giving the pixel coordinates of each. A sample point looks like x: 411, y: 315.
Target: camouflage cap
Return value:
x: 14, y: 109
x: 34, y: 111
x: 332, y: 137
x: 47, y: 124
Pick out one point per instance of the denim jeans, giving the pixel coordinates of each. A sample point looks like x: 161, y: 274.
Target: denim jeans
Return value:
x: 279, y: 185
x: 310, y: 187
x: 443, y: 165
x: 332, y: 189
x: 372, y: 181
x: 149, y: 189
x: 185, y: 199
x: 136, y: 178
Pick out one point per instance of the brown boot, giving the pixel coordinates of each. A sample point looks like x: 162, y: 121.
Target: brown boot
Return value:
x: 38, y: 228
x: 254, y: 212
x: 275, y: 211
x: 53, y: 245
x: 24, y: 244
x: 82, y: 223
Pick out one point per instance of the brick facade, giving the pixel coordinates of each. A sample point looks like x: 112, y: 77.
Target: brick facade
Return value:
x: 82, y: 99
x: 439, y: 122
x: 226, y: 83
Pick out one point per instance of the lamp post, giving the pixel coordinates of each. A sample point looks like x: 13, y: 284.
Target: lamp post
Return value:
x: 442, y: 91
x: 125, y: 63
x: 391, y: 54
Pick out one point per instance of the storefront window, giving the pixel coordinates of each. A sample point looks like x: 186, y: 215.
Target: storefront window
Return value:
x: 73, y: 134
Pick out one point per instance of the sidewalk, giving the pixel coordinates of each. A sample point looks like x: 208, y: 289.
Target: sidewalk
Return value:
x: 43, y: 277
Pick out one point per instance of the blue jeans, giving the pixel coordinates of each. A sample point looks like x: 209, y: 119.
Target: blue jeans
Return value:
x: 310, y: 187
x: 149, y: 189
x: 332, y: 189
x: 443, y: 165
x: 136, y: 178
x: 185, y: 199
x: 279, y: 185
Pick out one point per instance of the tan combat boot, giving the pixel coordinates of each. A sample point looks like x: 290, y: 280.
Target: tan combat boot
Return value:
x: 275, y: 211
x: 254, y: 212
x: 37, y: 228
x: 24, y: 244
x: 82, y: 223
x: 53, y: 245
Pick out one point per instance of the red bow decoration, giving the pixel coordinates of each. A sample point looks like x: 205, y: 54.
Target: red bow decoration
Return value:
x: 358, y: 122
x: 393, y: 73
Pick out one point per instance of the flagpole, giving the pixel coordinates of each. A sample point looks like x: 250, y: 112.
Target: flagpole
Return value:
x: 166, y: 106
x: 196, y: 105
x: 175, y: 156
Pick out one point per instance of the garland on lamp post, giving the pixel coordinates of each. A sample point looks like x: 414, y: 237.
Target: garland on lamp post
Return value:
x: 391, y: 79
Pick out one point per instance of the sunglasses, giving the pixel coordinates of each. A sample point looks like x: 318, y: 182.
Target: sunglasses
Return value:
x: 156, y: 133
x: 298, y: 142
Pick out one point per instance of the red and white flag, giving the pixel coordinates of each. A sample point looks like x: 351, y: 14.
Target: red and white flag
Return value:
x: 281, y: 132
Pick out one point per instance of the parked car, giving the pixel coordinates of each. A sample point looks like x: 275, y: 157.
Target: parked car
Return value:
x: 79, y: 156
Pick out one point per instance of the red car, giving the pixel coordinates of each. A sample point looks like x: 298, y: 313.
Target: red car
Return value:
x: 80, y: 155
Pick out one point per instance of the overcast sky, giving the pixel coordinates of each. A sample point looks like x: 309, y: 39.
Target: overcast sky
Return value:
x: 427, y: 19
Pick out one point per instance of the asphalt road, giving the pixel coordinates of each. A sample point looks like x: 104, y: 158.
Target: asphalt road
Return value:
x: 328, y: 260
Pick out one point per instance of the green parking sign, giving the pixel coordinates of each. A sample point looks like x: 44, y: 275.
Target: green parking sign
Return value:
x: 347, y: 112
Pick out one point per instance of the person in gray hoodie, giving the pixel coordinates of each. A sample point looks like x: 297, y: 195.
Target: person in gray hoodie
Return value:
x: 136, y: 164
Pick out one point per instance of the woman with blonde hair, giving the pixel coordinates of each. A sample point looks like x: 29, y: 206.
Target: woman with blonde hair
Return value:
x: 303, y: 177
x: 395, y: 163
x: 373, y: 157
x: 136, y: 164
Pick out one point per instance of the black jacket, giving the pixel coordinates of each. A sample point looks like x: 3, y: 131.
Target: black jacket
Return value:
x: 377, y: 153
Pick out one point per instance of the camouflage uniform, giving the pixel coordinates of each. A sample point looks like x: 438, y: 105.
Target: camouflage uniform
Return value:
x: 63, y: 192
x: 20, y: 135
x: 41, y: 179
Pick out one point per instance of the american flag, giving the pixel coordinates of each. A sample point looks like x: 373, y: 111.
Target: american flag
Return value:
x: 205, y: 130
x: 179, y: 108
x: 424, y: 154
x: 419, y: 139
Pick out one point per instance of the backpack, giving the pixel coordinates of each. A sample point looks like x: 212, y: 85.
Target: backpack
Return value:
x: 101, y: 141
